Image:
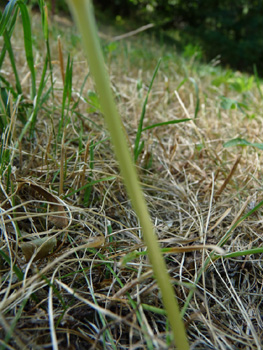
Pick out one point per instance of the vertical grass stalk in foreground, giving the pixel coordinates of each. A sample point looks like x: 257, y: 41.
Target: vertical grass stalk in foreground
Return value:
x: 83, y: 14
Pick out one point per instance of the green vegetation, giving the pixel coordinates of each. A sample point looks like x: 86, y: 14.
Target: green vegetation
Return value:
x: 231, y: 30
x: 75, y: 270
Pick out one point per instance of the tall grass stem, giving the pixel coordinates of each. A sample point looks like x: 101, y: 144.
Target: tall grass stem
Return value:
x: 83, y: 13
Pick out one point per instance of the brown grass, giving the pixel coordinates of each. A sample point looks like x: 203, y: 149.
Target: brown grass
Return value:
x: 80, y: 296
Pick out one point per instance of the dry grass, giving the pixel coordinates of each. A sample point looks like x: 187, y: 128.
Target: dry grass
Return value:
x: 80, y: 296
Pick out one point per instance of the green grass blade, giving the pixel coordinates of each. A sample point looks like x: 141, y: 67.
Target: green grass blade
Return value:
x: 89, y: 184
x: 88, y: 189
x: 39, y: 99
x: 16, y: 269
x: 4, y: 108
x: 9, y: 27
x: 12, y: 61
x: 32, y: 119
x: 197, y: 106
x: 257, y: 81
x: 80, y: 92
x: 45, y: 28
x: 240, y: 253
x: 13, y: 325
x: 66, y: 96
x: 28, y: 44
x: 137, y: 147
x: 181, y: 84
x: 166, y: 123
x: 44, y: 19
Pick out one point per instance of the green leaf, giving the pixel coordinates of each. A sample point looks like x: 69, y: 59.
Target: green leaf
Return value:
x: 229, y: 103
x: 93, y: 101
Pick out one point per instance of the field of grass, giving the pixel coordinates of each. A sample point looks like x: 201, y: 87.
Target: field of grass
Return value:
x: 74, y: 269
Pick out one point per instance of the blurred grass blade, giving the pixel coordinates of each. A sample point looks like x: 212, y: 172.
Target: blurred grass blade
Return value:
x: 181, y: 84
x: 88, y: 189
x: 166, y: 123
x: 4, y: 108
x: 197, y: 106
x: 137, y: 146
x: 84, y: 17
x: 9, y: 29
x: 66, y: 96
x: 257, y: 81
x: 242, y: 142
x: 44, y: 18
x: 7, y: 15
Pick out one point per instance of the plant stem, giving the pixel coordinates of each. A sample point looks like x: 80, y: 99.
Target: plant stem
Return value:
x: 83, y: 14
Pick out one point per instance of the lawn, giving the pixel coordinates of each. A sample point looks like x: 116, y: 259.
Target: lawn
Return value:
x: 74, y: 269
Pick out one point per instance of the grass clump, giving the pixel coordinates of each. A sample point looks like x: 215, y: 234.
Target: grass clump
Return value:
x: 74, y: 267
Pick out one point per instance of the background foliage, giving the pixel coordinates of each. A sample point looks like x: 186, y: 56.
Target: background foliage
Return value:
x: 231, y: 29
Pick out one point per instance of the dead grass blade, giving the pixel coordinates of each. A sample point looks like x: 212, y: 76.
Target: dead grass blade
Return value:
x: 232, y: 171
